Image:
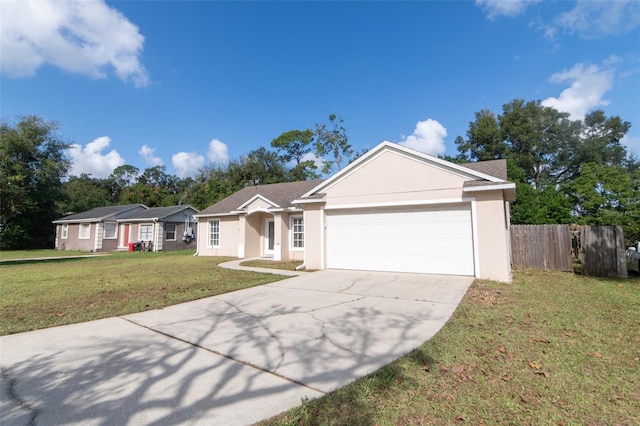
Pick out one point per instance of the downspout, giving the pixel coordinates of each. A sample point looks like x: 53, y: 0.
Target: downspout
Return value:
x: 299, y: 267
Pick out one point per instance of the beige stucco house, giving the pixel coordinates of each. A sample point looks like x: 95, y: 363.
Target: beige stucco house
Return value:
x: 393, y: 209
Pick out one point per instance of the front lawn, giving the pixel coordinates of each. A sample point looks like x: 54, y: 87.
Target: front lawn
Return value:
x: 44, y: 294
x: 552, y: 348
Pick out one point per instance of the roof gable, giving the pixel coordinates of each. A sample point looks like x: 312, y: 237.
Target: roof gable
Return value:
x: 446, y: 167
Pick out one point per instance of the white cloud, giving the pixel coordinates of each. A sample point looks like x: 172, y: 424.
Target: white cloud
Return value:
x: 496, y: 8
x: 595, y: 19
x: 218, y: 152
x: 91, y: 160
x: 588, y: 86
x: 428, y: 137
x: 632, y: 143
x: 310, y: 156
x: 187, y: 163
x: 84, y: 37
x: 146, y: 152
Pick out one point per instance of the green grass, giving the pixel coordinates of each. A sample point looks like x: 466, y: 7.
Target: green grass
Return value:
x: 551, y: 348
x: 33, y: 254
x: 289, y: 265
x: 44, y: 294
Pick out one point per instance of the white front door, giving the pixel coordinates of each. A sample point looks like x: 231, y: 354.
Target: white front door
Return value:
x: 269, y: 237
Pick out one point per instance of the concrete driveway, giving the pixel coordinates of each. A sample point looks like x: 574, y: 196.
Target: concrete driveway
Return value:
x: 232, y: 359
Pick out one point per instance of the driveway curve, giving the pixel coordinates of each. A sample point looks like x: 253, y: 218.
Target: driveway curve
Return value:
x: 231, y: 359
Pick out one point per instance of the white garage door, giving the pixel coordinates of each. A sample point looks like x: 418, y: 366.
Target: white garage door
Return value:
x: 435, y: 240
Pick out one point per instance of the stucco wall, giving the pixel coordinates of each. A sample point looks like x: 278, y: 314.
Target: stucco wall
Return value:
x: 314, y: 235
x: 229, y: 230
x: 493, y: 236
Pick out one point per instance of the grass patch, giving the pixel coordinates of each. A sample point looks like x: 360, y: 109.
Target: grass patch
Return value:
x: 34, y: 254
x: 39, y: 295
x: 551, y: 348
x: 289, y: 265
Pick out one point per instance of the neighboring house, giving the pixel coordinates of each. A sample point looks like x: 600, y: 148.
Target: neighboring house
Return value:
x: 92, y: 230
x: 393, y: 209
x: 159, y: 228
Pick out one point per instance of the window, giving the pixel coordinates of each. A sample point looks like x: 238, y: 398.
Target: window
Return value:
x: 214, y: 233
x: 85, y: 231
x: 297, y: 232
x: 146, y: 232
x: 65, y: 231
x: 170, y: 231
x: 110, y: 230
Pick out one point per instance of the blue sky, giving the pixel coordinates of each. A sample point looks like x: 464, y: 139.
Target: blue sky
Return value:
x: 188, y: 83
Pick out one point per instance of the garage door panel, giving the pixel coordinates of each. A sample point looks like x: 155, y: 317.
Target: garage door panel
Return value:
x: 436, y: 240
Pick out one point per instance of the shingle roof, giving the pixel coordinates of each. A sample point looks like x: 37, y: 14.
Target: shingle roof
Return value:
x: 100, y: 213
x: 496, y: 168
x: 281, y: 194
x: 156, y: 212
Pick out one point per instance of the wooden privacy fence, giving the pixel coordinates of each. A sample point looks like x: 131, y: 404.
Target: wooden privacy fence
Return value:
x: 541, y: 247
x: 603, y: 251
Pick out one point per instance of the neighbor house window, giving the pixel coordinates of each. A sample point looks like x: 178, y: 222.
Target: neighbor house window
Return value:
x: 110, y: 230
x: 85, y: 231
x: 170, y: 231
x: 65, y: 231
x: 146, y: 232
x: 297, y: 232
x: 214, y: 233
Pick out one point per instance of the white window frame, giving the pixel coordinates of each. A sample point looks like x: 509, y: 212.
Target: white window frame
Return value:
x: 81, y: 231
x: 64, y: 233
x: 145, y: 225
x: 166, y: 231
x: 213, y: 233
x: 293, y: 232
x: 114, y: 234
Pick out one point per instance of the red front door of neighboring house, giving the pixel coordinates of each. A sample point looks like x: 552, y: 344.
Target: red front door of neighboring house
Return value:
x: 126, y: 235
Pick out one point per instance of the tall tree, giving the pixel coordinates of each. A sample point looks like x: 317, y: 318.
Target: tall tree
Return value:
x: 332, y: 140
x: 538, y: 138
x: 32, y: 166
x: 121, y: 178
x: 294, y: 146
x: 258, y: 167
x: 484, y: 139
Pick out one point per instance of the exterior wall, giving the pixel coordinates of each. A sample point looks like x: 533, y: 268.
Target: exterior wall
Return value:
x: 72, y: 242
x: 253, y: 240
x: 314, y: 236
x: 493, y: 237
x: 178, y: 244
x: 229, y: 231
x: 379, y: 181
x: 288, y: 251
x: 243, y: 236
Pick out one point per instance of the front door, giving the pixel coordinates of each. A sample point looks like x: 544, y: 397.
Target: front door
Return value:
x: 269, y: 236
x: 125, y: 236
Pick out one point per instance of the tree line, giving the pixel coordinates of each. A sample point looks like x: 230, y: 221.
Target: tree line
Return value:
x: 566, y: 171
